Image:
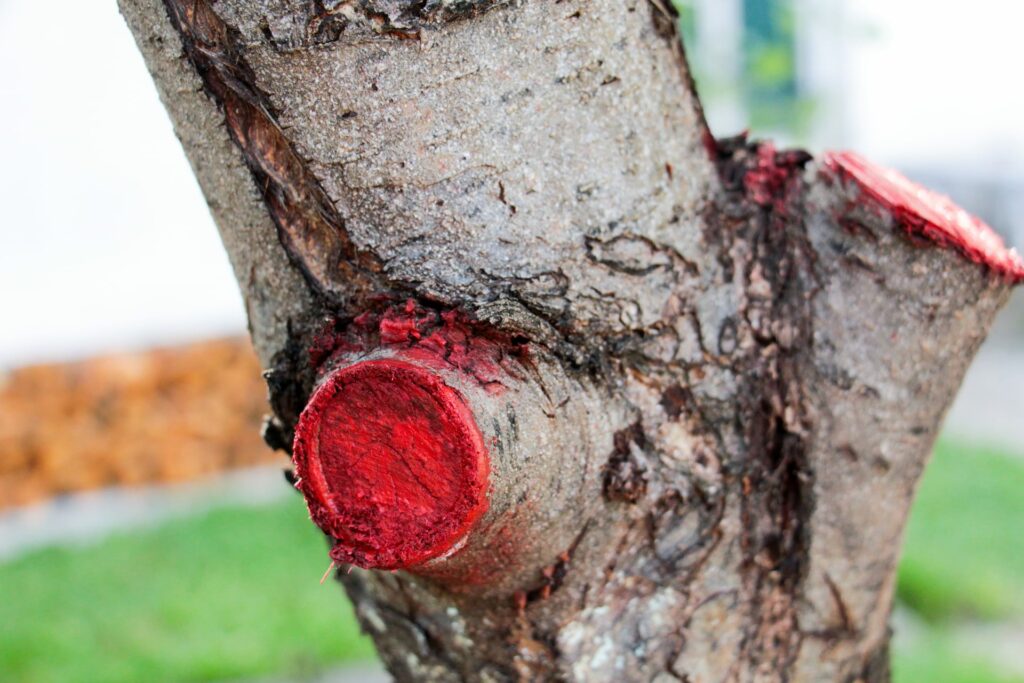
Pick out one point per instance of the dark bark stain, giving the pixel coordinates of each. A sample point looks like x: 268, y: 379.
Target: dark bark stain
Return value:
x: 275, y: 435
x: 324, y: 26
x: 776, y: 481
x: 677, y: 400
x: 289, y: 381
x: 625, y: 476
x: 552, y: 578
x: 877, y: 668
x: 681, y: 549
x: 665, y: 17
x: 504, y: 200
x: 415, y: 14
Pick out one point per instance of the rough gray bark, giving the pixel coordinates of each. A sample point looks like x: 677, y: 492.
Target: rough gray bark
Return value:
x: 737, y: 370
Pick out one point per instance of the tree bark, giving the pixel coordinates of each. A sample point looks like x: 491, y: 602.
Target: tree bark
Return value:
x: 707, y: 375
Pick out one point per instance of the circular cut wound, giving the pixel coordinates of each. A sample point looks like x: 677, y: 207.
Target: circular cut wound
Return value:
x: 391, y: 463
x: 931, y: 215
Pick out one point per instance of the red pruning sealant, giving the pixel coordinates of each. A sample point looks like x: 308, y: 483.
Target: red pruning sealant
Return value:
x: 391, y: 463
x: 388, y: 455
x: 930, y: 215
x: 441, y: 339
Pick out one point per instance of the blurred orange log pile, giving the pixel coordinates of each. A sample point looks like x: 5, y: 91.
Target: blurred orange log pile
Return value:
x: 165, y: 415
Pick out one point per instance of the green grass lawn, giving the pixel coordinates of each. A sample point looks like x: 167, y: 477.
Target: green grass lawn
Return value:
x: 963, y: 559
x: 938, y: 658
x: 964, y: 551
x: 236, y: 592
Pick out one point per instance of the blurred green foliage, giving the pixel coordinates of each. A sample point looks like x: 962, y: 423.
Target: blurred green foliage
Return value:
x: 938, y: 658
x: 963, y: 561
x: 769, y: 87
x: 964, y: 550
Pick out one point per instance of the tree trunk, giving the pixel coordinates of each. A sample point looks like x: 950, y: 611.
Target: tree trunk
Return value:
x: 617, y: 400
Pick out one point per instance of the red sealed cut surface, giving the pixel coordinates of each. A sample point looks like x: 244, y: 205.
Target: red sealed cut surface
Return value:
x: 929, y: 214
x: 391, y: 463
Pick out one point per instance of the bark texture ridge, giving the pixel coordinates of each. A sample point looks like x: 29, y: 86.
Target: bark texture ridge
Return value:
x: 707, y: 373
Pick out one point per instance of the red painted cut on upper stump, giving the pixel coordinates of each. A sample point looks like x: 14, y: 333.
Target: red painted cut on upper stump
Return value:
x: 391, y: 463
x: 929, y: 214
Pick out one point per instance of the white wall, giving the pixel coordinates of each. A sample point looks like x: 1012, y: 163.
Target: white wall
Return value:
x: 938, y: 83
x: 105, y: 240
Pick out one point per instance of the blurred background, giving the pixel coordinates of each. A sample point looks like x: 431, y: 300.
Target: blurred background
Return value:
x: 146, y: 534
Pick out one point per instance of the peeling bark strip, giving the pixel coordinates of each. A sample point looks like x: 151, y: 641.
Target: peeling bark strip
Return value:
x: 309, y: 226
x: 656, y: 406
